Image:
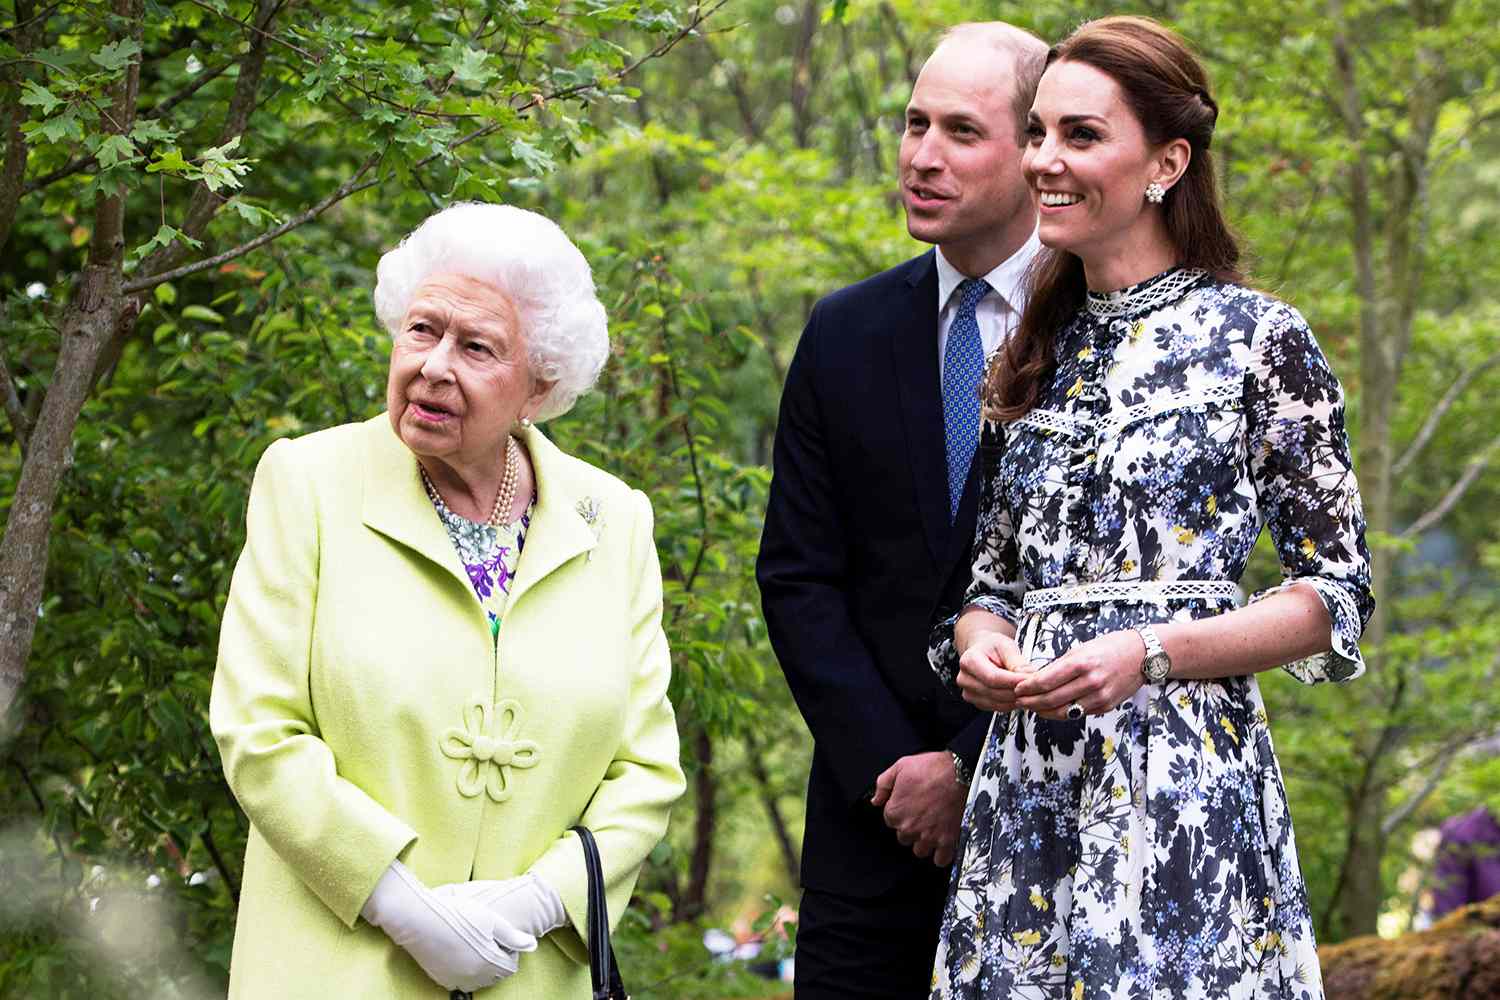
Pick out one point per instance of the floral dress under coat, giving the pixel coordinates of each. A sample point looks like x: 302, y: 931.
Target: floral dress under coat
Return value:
x: 1147, y: 852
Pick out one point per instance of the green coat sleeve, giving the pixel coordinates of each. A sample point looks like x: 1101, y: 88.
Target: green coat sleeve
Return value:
x: 335, y: 837
x: 628, y: 813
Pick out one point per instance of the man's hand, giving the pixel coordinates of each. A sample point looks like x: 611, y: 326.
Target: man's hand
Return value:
x: 920, y: 798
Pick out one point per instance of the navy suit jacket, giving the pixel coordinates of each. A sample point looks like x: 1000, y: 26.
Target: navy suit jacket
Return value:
x: 857, y: 559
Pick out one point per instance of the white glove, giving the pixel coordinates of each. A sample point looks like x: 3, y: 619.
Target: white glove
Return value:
x: 525, y: 902
x: 461, y: 945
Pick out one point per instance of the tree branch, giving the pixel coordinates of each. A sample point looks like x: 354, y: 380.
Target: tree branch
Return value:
x: 13, y: 168
x: 344, y: 190
x: 1476, y: 465
x: 1430, y: 425
x: 259, y: 29
x: 83, y: 163
x: 20, y: 423
x: 355, y: 185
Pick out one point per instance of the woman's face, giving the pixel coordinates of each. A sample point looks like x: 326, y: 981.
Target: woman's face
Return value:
x: 1088, y: 163
x: 459, y: 376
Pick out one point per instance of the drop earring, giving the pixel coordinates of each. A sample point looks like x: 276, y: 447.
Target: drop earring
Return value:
x: 1155, y: 193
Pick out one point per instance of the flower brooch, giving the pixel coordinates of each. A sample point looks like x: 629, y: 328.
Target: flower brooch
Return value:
x: 592, y: 513
x: 488, y: 745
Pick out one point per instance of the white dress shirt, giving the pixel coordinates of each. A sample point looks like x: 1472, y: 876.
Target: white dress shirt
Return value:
x: 999, y: 312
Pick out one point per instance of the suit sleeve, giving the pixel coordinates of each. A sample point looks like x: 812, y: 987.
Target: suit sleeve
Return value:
x: 628, y: 812
x: 331, y: 833
x: 858, y: 723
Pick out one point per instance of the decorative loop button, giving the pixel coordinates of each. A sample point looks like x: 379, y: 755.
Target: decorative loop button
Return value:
x: 488, y: 745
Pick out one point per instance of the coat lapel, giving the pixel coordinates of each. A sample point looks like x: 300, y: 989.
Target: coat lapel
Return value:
x: 914, y: 353
x: 396, y: 505
x: 559, y: 532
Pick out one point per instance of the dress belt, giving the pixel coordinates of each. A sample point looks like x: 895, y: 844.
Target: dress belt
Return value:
x: 1137, y: 591
x: 1035, y: 602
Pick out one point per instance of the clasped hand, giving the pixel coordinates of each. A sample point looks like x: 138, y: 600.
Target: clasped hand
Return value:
x: 920, y: 798
x: 460, y: 943
x: 1099, y: 675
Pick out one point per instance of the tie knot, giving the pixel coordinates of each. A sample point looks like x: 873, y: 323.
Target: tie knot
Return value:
x: 970, y: 291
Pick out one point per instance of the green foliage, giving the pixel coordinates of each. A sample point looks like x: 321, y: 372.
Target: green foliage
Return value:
x: 718, y: 192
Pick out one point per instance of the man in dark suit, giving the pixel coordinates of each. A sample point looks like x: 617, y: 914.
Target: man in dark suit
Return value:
x: 871, y: 520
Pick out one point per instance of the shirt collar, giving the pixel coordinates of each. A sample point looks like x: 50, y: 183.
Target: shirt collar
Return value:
x: 1008, y: 278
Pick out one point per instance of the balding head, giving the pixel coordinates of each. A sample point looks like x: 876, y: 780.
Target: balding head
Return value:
x: 1024, y: 54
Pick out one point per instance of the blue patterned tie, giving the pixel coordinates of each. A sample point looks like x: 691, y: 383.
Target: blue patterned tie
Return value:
x: 963, y: 368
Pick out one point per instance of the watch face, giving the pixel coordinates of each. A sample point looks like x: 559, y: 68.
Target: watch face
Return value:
x: 1156, y: 667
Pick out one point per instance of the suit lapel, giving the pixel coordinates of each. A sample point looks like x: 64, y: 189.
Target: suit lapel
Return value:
x: 914, y: 353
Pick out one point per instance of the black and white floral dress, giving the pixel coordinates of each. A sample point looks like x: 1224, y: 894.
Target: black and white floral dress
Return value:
x: 1146, y: 853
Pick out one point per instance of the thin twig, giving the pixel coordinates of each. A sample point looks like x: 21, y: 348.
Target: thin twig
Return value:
x: 344, y: 190
x: 1455, y: 493
x: 1435, y: 417
x: 269, y: 35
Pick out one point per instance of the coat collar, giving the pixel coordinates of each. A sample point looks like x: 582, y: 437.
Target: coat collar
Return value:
x: 396, y: 506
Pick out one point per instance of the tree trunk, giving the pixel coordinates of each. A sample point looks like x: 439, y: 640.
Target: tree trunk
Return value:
x: 773, y: 810
x: 92, y: 318
x: 705, y: 825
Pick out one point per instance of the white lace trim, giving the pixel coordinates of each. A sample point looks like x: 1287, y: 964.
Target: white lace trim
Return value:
x: 1108, y: 305
x: 1051, y: 422
x: 1139, y: 591
x: 1226, y: 390
x: 1221, y: 391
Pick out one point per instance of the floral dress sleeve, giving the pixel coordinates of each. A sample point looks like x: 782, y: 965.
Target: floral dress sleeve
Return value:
x: 996, y: 585
x: 1304, y: 482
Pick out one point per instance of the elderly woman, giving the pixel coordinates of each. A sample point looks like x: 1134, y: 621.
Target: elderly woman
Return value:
x: 406, y: 705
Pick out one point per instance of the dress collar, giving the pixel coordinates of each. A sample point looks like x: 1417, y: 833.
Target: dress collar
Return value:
x: 1008, y: 279
x: 1143, y: 296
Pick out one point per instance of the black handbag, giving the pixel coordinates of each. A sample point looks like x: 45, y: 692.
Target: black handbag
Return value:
x: 604, y: 971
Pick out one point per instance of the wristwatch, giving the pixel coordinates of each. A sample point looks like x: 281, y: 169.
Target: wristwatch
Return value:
x: 962, y: 773
x: 1157, y: 664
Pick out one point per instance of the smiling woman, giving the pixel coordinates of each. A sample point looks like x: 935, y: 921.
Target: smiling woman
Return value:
x: 410, y: 767
x: 1127, y: 831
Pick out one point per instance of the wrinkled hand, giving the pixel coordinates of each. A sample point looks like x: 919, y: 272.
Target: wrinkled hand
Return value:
x: 921, y: 799
x: 989, y: 670
x: 1099, y: 674
x: 525, y: 902
x: 460, y: 944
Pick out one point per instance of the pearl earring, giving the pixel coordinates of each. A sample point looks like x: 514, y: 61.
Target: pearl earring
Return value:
x: 1155, y: 193
x: 526, y: 423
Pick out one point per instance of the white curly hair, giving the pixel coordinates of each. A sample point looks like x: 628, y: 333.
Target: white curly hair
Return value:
x: 533, y: 263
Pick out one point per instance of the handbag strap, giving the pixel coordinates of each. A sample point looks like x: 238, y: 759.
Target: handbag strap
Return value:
x: 604, y: 971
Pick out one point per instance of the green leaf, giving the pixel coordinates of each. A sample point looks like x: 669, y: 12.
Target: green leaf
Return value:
x: 203, y: 313
x: 34, y: 95
x: 170, y: 161
x: 470, y: 66
x: 115, y: 149
x: 64, y: 126
x: 165, y: 235
x: 117, y: 55
x: 537, y: 160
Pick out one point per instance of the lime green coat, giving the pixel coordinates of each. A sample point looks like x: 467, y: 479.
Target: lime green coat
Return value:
x: 364, y: 714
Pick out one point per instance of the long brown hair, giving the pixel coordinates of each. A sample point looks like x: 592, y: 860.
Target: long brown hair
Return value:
x: 1166, y: 89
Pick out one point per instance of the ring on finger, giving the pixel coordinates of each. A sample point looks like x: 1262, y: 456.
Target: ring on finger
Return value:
x: 1075, y: 711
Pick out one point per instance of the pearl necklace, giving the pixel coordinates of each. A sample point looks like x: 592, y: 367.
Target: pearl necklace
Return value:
x: 504, y: 500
